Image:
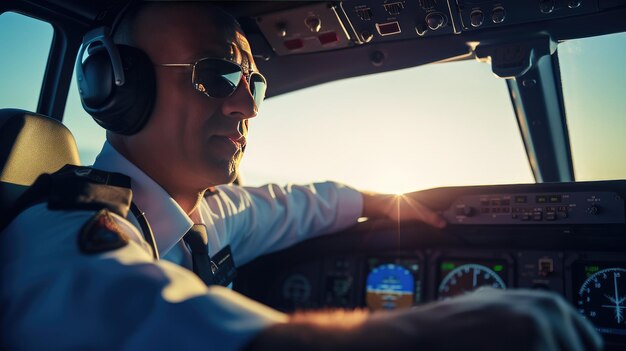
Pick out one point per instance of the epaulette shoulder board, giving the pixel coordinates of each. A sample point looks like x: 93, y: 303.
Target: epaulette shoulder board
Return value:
x: 84, y: 188
x: 75, y: 188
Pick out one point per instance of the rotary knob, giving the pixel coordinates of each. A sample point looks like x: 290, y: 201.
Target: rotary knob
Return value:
x: 546, y: 6
x: 465, y: 210
x: 593, y: 210
x: 572, y: 4
x: 314, y: 24
x: 281, y: 29
x: 435, y: 20
x: 476, y: 18
x: 498, y: 15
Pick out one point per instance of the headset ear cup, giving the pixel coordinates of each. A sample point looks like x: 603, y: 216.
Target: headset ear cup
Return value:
x: 121, y: 109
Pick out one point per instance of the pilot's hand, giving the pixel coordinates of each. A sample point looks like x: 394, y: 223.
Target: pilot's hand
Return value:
x: 491, y: 319
x: 399, y: 208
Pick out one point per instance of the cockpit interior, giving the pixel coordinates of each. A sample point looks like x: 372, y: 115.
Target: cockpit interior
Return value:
x: 559, y: 230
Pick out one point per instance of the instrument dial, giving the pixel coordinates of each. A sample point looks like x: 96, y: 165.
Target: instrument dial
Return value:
x: 602, y: 299
x: 392, y: 283
x: 468, y: 277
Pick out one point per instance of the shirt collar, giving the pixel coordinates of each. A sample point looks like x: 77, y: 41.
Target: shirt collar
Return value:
x: 168, y: 220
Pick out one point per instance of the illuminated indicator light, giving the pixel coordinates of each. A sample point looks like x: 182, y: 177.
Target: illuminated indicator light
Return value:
x: 328, y: 38
x: 555, y: 199
x: 389, y: 28
x: 294, y: 44
x: 520, y: 199
x: 591, y: 269
x: 447, y: 266
x: 498, y: 268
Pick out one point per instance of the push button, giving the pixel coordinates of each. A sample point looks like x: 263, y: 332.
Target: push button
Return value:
x: 294, y: 44
x: 328, y: 38
x: 476, y: 18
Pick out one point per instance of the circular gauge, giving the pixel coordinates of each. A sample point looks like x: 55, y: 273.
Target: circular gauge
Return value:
x: 468, y: 277
x: 601, y: 299
x: 389, y: 286
x: 296, y: 288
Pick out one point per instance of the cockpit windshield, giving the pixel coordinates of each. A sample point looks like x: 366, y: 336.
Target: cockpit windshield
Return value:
x: 594, y: 76
x: 434, y: 125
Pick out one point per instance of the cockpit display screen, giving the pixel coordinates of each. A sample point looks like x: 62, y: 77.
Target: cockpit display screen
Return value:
x: 459, y: 276
x: 600, y: 295
x: 392, y: 283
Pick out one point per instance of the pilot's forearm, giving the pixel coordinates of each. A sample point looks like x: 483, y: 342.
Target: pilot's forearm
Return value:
x: 312, y: 331
x: 398, y: 208
x: 487, y: 320
x: 336, y: 331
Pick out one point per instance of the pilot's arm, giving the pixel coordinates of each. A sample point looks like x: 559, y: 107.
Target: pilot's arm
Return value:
x: 486, y: 320
x: 259, y: 220
x: 85, y: 281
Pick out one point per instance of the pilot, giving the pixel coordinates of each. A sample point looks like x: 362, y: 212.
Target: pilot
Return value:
x: 79, y: 273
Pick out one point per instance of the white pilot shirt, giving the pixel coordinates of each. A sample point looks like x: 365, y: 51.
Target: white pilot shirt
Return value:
x: 53, y: 296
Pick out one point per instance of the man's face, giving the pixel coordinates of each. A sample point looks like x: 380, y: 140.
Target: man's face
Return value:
x: 194, y: 139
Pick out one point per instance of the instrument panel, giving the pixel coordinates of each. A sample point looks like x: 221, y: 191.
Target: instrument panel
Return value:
x: 334, y: 25
x: 567, y: 238
x: 593, y: 282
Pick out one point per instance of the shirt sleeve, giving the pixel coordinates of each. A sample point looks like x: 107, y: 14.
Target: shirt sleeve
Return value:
x: 53, y: 296
x: 260, y: 220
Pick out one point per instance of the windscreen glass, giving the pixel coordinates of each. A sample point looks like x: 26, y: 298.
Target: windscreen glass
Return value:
x: 25, y: 48
x: 435, y: 125
x: 594, y: 89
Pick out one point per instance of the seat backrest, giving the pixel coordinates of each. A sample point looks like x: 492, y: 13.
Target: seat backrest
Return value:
x: 30, y: 144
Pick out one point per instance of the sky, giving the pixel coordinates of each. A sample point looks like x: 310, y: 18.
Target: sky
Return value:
x: 436, y: 125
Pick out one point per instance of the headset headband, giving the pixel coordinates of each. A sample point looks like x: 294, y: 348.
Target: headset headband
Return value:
x: 101, y: 35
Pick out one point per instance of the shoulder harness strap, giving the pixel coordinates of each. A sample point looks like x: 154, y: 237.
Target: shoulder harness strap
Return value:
x: 83, y: 188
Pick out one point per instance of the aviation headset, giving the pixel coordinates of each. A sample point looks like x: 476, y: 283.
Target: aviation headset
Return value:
x: 116, y: 83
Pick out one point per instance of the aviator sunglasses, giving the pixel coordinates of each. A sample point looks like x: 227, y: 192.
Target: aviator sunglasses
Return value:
x: 219, y: 78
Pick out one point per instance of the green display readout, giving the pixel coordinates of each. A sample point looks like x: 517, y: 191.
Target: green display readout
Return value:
x: 589, y: 270
x: 448, y: 266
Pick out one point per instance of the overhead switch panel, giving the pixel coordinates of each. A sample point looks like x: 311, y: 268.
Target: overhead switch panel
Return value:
x: 305, y: 29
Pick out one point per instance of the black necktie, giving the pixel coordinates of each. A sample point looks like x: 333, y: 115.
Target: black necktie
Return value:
x: 198, y: 242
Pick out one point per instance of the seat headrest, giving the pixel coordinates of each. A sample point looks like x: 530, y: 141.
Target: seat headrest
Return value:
x: 30, y: 144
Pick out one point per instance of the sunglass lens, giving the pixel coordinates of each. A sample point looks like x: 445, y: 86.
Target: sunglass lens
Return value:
x: 258, y: 86
x: 219, y: 78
